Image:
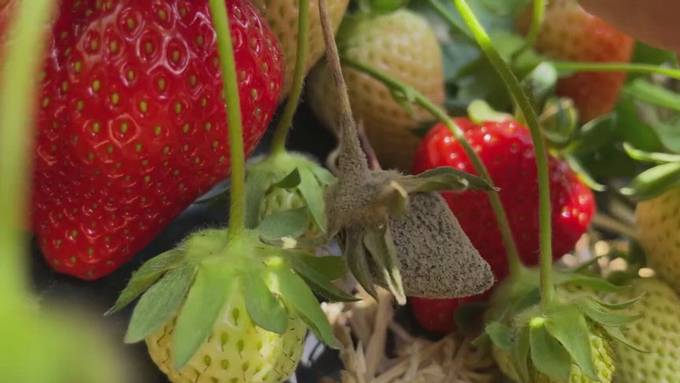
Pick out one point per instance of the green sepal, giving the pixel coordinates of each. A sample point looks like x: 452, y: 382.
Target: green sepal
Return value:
x: 559, y: 120
x: 355, y: 253
x: 656, y: 95
x: 289, y: 223
x: 258, y: 181
x: 480, y: 111
x: 322, y: 174
x: 394, y: 197
x: 443, y: 179
x: 594, y: 134
x: 568, y: 325
x: 500, y: 334
x: 206, y: 298
x: 520, y: 353
x: 540, y: 83
x: 312, y: 193
x: 653, y: 157
x: 318, y: 281
x: 380, y: 246
x: 264, y: 308
x: 603, y: 315
x: 159, y: 303
x: 616, y: 334
x: 297, y: 295
x: 146, y: 276
x: 653, y: 182
x: 331, y: 267
x: 547, y: 354
x: 620, y: 305
x: 583, y: 174
x: 595, y: 283
x: 290, y: 181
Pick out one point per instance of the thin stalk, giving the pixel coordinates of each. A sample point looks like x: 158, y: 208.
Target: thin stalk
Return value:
x: 575, y: 66
x: 18, y: 91
x: 286, y: 121
x: 514, y: 261
x: 225, y: 47
x: 537, y: 16
x: 522, y: 101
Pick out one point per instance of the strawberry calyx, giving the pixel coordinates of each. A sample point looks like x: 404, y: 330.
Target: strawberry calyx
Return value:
x: 653, y: 182
x: 194, y: 280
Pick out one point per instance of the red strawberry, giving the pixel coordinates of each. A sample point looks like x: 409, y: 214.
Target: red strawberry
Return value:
x: 571, y: 33
x: 436, y: 315
x: 507, y: 151
x: 133, y: 125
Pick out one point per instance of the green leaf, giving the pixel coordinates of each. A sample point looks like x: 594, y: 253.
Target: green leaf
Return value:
x: 442, y: 179
x: 653, y: 94
x: 616, y: 334
x: 380, y: 246
x: 647, y: 54
x: 520, y: 354
x: 355, y: 253
x: 479, y: 111
x: 500, y: 334
x: 595, y: 283
x: 263, y: 307
x: 568, y: 325
x: 319, y: 282
x: 331, y: 267
x: 145, y: 276
x: 205, y: 301
x: 288, y: 223
x: 312, y: 193
x: 631, y: 126
x: 548, y: 355
x: 257, y: 184
x: 159, y: 304
x: 300, y: 298
x: 654, y: 157
x: 653, y: 182
x: 292, y: 180
x: 603, y: 315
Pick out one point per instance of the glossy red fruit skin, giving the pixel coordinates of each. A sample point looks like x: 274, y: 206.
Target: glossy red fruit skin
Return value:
x: 571, y: 33
x: 507, y: 151
x: 132, y: 123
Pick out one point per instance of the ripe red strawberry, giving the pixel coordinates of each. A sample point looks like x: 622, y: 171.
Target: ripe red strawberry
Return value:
x: 507, y: 151
x: 132, y: 126
x: 436, y: 315
x: 571, y: 33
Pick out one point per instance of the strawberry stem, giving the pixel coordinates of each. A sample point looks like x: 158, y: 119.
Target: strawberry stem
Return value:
x: 286, y: 121
x: 522, y: 100
x: 225, y: 48
x: 514, y: 261
x: 576, y: 66
x: 18, y: 89
x: 537, y: 16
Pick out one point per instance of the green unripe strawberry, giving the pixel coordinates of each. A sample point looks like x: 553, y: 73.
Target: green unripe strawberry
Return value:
x: 404, y: 46
x: 237, y: 351
x: 657, y: 332
x: 658, y: 222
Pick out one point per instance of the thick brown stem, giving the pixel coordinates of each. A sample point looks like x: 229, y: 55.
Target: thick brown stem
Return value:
x: 351, y: 159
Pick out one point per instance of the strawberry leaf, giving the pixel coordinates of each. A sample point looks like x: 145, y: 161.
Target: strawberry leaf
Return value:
x: 159, y: 304
x: 288, y: 223
x: 442, y: 179
x: 520, y: 354
x: 145, y: 276
x: 204, y: 302
x: 263, y: 307
x: 653, y: 182
x: 568, y: 325
x: 355, y: 253
x: 500, y: 335
x: 319, y: 282
x: 312, y: 193
x: 331, y: 267
x: 547, y: 354
x: 300, y: 298
x: 291, y: 181
x: 655, y: 157
x: 380, y: 246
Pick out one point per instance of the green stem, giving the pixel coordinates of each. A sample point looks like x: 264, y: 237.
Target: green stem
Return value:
x: 448, y: 17
x: 225, y: 47
x: 286, y: 121
x: 537, y: 16
x: 568, y: 66
x: 522, y: 100
x: 514, y: 260
x: 18, y: 90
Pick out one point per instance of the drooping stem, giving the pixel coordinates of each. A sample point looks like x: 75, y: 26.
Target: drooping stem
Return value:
x: 514, y: 261
x: 225, y: 47
x: 18, y: 90
x: 286, y: 121
x: 350, y: 155
x: 537, y: 16
x: 522, y: 101
x: 576, y: 66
